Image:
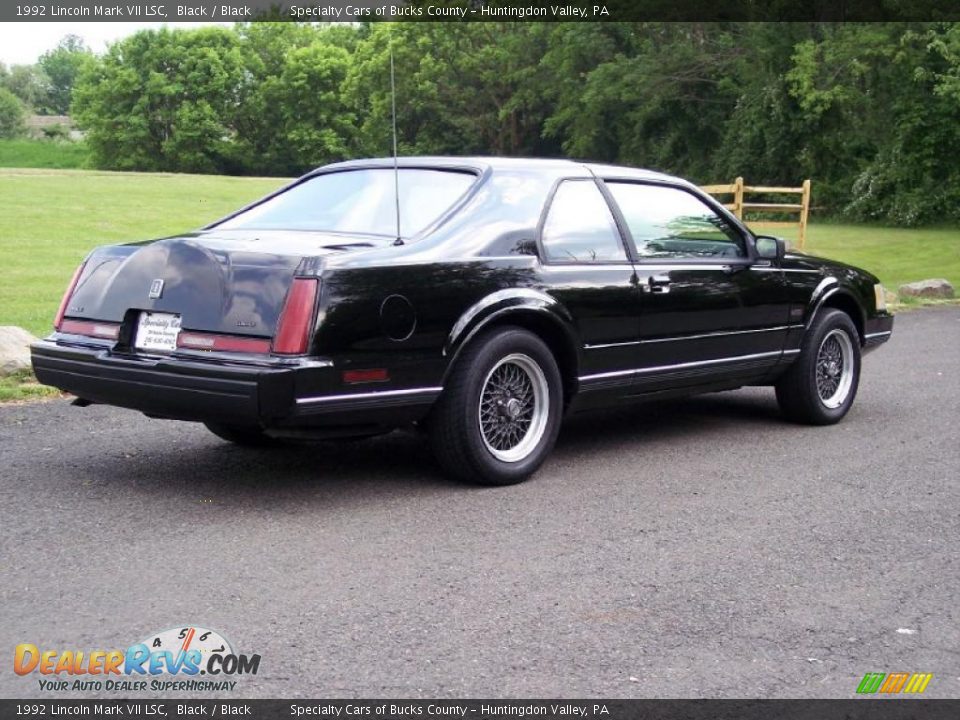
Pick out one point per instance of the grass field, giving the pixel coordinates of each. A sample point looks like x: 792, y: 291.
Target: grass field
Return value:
x: 22, y: 386
x: 43, y: 154
x: 50, y: 219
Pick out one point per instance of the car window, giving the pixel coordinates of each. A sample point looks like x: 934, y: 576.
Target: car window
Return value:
x: 359, y: 201
x: 667, y: 222
x: 580, y: 227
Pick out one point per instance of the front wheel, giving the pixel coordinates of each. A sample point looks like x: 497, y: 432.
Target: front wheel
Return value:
x: 819, y: 388
x: 499, y: 415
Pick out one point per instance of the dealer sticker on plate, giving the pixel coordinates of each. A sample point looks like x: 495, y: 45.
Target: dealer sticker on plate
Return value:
x: 157, y: 331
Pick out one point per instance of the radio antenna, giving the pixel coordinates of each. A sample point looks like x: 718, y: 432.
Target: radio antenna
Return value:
x: 396, y: 169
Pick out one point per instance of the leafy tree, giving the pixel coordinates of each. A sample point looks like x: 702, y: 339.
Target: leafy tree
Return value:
x: 30, y: 84
x: 12, y: 114
x: 61, y: 65
x: 162, y: 100
x: 461, y: 87
x: 316, y: 125
x: 269, y: 108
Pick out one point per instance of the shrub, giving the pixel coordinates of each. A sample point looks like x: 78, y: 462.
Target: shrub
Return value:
x: 12, y: 115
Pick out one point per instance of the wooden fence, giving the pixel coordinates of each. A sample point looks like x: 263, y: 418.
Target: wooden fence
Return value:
x: 739, y: 207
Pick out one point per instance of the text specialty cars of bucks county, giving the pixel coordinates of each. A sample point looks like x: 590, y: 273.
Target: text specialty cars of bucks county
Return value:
x: 479, y: 299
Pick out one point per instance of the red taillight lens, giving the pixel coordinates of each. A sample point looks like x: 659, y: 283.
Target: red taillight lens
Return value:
x: 92, y: 329
x: 61, y: 311
x: 296, y: 320
x: 223, y: 343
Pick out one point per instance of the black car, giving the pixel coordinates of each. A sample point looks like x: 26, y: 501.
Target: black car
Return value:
x: 478, y: 298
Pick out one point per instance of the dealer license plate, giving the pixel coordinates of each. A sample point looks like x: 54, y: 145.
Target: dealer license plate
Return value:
x: 157, y: 331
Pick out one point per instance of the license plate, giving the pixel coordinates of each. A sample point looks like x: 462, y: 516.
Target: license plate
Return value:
x: 157, y: 331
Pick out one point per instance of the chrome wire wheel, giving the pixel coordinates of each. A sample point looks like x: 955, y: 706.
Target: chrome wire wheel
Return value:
x: 514, y: 408
x: 835, y: 368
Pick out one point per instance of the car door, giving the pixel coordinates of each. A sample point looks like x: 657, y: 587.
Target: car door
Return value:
x: 585, y: 265
x: 704, y: 313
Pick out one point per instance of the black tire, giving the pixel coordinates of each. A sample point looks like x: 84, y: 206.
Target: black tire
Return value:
x: 800, y: 397
x: 241, y: 435
x: 461, y: 446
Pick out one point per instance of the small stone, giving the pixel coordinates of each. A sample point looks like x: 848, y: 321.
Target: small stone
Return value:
x: 933, y: 288
x: 14, y: 349
x: 906, y: 631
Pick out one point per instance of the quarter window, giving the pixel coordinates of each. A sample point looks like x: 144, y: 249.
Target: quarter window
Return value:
x: 671, y: 223
x: 580, y: 227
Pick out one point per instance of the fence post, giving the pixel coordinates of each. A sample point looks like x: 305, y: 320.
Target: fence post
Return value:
x: 804, y: 212
x: 738, y: 198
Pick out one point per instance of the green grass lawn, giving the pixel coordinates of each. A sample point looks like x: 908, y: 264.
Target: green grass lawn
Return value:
x: 43, y: 154
x: 23, y: 386
x: 49, y: 219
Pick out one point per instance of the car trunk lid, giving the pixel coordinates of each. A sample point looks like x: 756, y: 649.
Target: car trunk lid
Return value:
x: 230, y: 282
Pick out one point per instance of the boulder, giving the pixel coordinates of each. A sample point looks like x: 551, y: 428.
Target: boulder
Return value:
x: 14, y: 349
x: 935, y: 288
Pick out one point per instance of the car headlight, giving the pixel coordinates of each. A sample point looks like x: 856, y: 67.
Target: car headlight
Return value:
x: 881, y: 296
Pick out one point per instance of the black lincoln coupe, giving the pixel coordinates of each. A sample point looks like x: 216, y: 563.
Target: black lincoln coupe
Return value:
x: 480, y: 299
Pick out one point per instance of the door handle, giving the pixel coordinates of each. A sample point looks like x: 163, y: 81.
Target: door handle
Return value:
x: 658, y: 284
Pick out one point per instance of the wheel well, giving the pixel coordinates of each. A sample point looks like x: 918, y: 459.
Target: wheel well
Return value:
x: 845, y: 303
x: 553, y: 335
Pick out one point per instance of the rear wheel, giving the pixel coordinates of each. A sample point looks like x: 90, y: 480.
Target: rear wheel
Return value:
x: 819, y: 388
x: 241, y: 435
x: 499, y: 415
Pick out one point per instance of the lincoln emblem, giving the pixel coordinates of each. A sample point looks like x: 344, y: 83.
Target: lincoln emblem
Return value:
x: 156, y: 289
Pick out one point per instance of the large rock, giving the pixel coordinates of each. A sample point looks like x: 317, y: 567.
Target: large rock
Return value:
x: 14, y: 349
x: 935, y: 288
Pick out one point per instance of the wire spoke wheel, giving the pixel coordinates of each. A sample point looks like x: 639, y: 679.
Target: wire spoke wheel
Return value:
x: 834, y: 368
x: 514, y: 407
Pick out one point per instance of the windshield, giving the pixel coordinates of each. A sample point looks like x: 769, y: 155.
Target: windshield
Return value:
x: 359, y: 201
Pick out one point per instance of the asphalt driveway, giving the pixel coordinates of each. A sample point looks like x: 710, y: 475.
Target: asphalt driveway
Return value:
x: 696, y: 548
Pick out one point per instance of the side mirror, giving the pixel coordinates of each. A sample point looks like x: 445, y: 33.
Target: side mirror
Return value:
x: 770, y: 248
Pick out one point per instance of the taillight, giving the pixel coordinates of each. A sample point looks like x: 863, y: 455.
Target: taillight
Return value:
x: 293, y: 330
x: 58, y: 320
x: 106, y: 330
x: 224, y: 343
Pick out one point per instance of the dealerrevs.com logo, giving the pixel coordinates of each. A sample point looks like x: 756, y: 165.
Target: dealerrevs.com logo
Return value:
x: 165, y: 661
x: 894, y: 683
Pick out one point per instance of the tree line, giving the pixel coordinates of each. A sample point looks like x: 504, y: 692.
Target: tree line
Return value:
x: 869, y: 111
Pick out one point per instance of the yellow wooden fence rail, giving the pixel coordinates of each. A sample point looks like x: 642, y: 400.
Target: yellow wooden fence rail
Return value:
x: 739, y: 207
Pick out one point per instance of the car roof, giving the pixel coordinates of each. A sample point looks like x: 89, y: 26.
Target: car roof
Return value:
x: 552, y: 165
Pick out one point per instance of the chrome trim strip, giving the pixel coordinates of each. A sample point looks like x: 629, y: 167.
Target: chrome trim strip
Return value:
x: 692, y: 337
x: 877, y: 334
x: 370, y: 395
x: 764, y: 268
x: 698, y: 363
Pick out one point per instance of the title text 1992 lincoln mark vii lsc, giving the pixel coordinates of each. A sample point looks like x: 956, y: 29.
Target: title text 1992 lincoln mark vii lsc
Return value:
x: 508, y: 293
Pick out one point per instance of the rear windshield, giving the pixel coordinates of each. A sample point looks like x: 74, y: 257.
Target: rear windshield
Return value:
x: 359, y: 201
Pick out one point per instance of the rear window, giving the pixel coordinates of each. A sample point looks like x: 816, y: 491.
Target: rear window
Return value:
x: 359, y: 201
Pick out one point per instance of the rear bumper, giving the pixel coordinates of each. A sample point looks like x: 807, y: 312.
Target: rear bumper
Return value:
x: 273, y: 393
